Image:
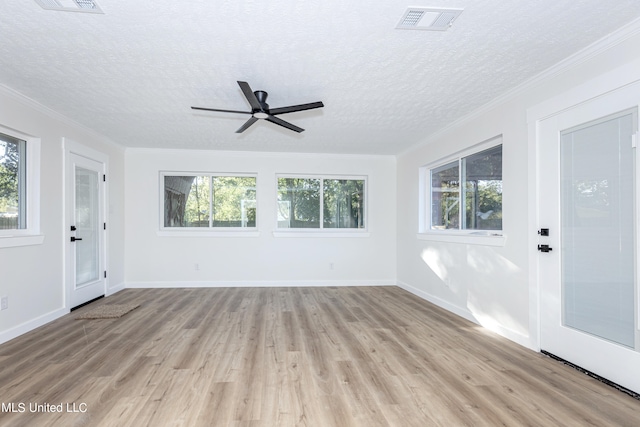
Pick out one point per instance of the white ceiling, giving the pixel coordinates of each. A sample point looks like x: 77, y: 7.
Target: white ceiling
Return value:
x: 133, y: 73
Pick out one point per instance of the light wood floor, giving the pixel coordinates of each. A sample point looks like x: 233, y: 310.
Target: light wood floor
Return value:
x: 370, y: 356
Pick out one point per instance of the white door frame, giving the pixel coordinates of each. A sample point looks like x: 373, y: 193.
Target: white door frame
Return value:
x: 623, y: 80
x: 72, y: 147
x: 619, y: 78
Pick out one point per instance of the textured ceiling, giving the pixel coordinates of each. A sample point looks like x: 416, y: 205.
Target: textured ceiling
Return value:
x: 133, y: 73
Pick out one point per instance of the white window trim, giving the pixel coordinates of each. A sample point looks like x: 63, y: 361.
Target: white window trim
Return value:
x: 319, y: 232
x: 207, y: 232
x: 30, y: 235
x: 474, y: 238
x: 324, y: 232
x: 469, y: 236
x: 203, y: 231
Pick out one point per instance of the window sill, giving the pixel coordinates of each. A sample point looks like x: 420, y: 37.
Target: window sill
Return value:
x: 484, y: 239
x: 319, y: 233
x: 208, y: 233
x: 15, y: 241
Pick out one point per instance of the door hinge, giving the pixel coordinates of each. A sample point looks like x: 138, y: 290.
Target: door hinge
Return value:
x: 105, y: 274
x: 104, y: 178
x: 634, y: 140
x: 104, y: 226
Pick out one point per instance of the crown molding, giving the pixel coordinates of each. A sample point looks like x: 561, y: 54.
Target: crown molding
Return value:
x: 265, y: 154
x: 43, y: 109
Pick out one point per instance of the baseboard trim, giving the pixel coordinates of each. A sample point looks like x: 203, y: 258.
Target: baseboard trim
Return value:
x: 464, y: 313
x: 115, y: 289
x: 25, y: 327
x: 259, y: 284
x: 509, y: 334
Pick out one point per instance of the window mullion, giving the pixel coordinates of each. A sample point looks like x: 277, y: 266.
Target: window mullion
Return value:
x: 462, y: 194
x: 321, y: 225
x: 211, y: 195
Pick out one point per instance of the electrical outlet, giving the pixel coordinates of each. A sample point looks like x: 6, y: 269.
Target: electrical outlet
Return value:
x: 196, y: 267
x: 331, y: 266
x: 4, y: 303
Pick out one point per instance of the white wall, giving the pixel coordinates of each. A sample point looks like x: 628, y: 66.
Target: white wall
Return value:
x: 497, y: 286
x: 32, y: 277
x: 154, y: 260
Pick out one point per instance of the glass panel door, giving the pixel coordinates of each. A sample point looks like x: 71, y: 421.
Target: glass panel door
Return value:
x: 587, y: 208
x: 85, y: 273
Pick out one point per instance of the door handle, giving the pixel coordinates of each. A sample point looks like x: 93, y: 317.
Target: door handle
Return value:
x: 544, y: 248
x: 73, y: 239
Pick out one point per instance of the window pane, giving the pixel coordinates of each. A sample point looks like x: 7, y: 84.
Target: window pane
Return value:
x: 234, y: 201
x: 483, y: 190
x: 445, y: 196
x: 12, y: 183
x: 343, y: 203
x: 186, y: 201
x: 298, y: 203
x: 87, y: 218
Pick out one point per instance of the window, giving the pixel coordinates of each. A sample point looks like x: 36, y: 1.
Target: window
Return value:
x: 13, y: 183
x: 19, y: 189
x: 466, y: 193
x: 321, y: 202
x: 206, y: 201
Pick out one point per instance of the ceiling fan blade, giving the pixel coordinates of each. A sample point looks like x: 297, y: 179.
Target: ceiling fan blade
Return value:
x: 246, y: 125
x: 222, y: 111
x: 251, y: 97
x: 282, y: 123
x: 293, y: 108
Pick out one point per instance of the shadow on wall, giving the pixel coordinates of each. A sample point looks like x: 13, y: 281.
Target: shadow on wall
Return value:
x: 488, y: 285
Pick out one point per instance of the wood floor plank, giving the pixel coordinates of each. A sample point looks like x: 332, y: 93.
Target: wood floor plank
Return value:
x: 263, y: 357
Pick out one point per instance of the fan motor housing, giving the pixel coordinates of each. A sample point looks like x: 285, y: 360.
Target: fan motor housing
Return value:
x: 261, y: 96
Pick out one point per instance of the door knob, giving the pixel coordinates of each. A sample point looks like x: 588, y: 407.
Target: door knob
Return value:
x: 544, y: 248
x: 73, y: 239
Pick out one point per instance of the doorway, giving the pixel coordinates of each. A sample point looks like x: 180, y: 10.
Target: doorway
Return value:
x: 588, y: 226
x: 85, y: 225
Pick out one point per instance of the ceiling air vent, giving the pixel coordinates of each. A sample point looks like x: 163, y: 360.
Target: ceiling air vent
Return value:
x: 428, y: 18
x: 89, y: 6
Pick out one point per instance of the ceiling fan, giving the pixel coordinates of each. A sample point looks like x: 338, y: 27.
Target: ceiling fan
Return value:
x: 260, y: 109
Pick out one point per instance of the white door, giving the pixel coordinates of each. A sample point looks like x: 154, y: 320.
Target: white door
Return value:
x: 587, y: 210
x: 85, y: 229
